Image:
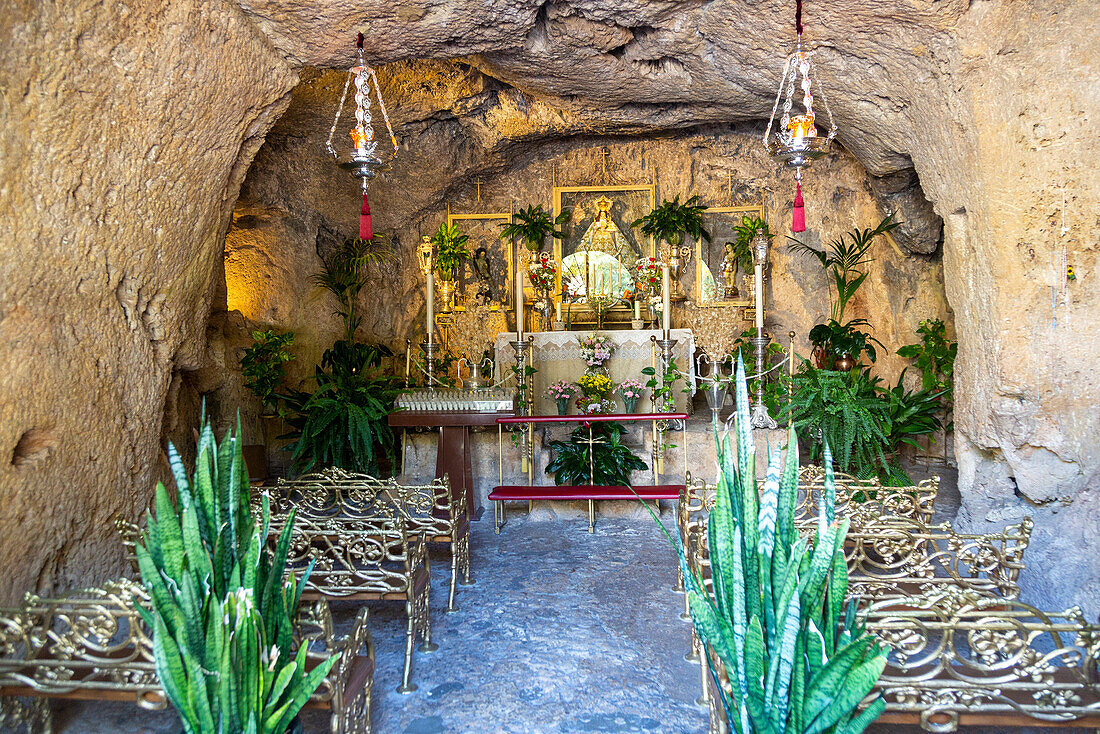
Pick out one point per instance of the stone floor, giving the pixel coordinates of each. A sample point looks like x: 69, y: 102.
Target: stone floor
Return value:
x: 562, y: 632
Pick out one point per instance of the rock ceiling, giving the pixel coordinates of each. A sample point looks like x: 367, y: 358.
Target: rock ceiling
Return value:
x: 658, y: 65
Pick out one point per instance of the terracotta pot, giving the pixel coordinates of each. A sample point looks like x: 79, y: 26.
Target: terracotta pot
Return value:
x: 844, y: 363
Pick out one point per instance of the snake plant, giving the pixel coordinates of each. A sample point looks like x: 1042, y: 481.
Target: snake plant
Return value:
x: 798, y: 660
x: 222, y: 615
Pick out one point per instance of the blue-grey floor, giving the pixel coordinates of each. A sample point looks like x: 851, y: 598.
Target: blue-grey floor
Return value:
x: 562, y: 632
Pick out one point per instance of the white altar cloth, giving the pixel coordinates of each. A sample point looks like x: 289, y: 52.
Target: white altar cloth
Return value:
x: 557, y: 356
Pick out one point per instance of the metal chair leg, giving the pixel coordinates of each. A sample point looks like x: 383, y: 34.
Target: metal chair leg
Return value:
x: 454, y: 578
x: 464, y: 547
x: 406, y: 685
x: 591, y: 516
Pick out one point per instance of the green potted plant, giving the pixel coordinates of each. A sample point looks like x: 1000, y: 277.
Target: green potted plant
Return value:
x: 264, y: 366
x: 778, y: 617
x: 533, y: 225
x: 842, y: 346
x: 450, y: 253
x: 671, y: 221
x: 934, y: 356
x: 221, y: 612
x: 343, y: 422
x: 602, y: 459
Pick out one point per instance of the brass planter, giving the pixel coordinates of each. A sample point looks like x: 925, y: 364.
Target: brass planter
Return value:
x: 447, y: 296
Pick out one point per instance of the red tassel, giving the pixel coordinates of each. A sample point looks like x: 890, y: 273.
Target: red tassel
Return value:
x: 366, y: 230
x: 798, y: 217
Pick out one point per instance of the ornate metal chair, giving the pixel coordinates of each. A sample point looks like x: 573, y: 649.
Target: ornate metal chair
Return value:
x: 93, y: 645
x: 429, y: 510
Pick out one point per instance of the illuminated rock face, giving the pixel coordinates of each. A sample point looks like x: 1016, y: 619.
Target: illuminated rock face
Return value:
x: 126, y: 140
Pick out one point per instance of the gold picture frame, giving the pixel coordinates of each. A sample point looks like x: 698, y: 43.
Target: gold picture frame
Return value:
x: 500, y: 255
x: 628, y: 203
x: 707, y: 254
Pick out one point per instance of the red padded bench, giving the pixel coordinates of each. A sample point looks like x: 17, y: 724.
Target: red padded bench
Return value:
x: 519, y: 492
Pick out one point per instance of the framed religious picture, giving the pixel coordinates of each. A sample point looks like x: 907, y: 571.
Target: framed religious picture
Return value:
x: 599, y: 249
x: 486, y: 278
x: 723, y: 267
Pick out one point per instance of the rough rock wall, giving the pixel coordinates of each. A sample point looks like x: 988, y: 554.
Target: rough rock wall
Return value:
x: 295, y: 199
x: 127, y: 130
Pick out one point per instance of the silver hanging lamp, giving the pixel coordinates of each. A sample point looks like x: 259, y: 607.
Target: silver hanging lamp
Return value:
x: 363, y: 161
x: 796, y: 141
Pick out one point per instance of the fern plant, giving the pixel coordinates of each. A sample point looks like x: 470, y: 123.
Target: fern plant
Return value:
x: 344, y: 422
x: 842, y: 410
x: 533, y: 225
x: 221, y: 613
x: 672, y: 220
x: 778, y: 618
x: 605, y: 462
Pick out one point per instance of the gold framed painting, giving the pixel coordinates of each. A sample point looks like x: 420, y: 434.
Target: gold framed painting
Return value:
x: 719, y: 279
x: 487, y: 276
x: 599, y: 249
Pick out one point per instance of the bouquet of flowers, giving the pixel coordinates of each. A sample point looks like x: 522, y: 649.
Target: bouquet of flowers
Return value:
x: 542, y: 273
x: 595, y: 386
x: 648, y: 274
x: 631, y: 393
x: 561, y: 390
x: 630, y: 389
x: 596, y: 349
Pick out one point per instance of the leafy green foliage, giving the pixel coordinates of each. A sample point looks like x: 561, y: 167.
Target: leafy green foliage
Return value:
x: 344, y: 421
x: 533, y: 225
x: 450, y: 243
x: 778, y: 616
x: 344, y: 274
x: 842, y: 260
x: 612, y: 462
x: 222, y: 616
x: 672, y: 220
x: 661, y: 391
x: 935, y: 356
x: 842, y: 409
x: 910, y: 415
x: 264, y: 364
x: 835, y: 340
x: 747, y: 231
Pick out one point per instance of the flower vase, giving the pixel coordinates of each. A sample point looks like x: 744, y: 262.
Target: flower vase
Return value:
x: 629, y: 405
x: 563, y: 406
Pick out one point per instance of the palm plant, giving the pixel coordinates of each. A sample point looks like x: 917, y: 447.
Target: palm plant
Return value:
x: 842, y: 260
x: 672, y: 220
x: 450, y: 251
x: 221, y: 613
x: 602, y: 459
x: 748, y: 230
x: 778, y: 617
x: 533, y: 225
x: 344, y: 274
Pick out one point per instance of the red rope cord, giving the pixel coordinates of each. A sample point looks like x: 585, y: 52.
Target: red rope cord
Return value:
x: 798, y: 16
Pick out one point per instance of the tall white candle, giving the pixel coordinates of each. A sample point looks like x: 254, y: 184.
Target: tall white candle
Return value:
x: 431, y: 302
x: 666, y: 303
x: 759, y: 299
x: 557, y: 311
x: 637, y: 308
x: 519, y: 299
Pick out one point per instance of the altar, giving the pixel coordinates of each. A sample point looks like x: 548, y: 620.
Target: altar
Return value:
x: 557, y: 356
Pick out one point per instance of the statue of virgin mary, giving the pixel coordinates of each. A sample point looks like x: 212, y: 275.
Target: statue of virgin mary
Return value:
x: 596, y: 267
